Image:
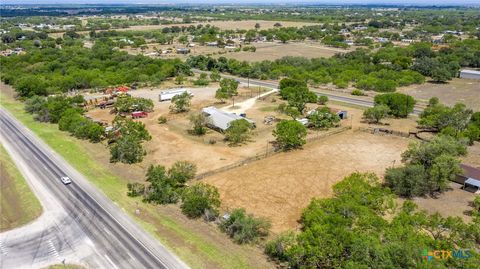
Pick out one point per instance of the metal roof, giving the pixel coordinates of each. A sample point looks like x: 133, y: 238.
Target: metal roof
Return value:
x: 473, y: 182
x: 473, y: 72
x: 221, y: 119
x: 470, y: 171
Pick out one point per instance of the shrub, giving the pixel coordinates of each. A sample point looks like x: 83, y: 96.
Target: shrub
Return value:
x: 407, y: 181
x: 181, y: 103
x: 322, y: 99
x: 358, y: 92
x: 245, y: 228
x: 376, y: 113
x: 200, y: 199
x: 323, y: 119
x: 135, y: 189
x: 198, y: 122
x: 278, y: 247
x: 162, y: 120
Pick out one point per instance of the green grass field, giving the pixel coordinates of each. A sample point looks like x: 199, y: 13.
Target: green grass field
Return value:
x: 193, y: 249
x: 18, y: 204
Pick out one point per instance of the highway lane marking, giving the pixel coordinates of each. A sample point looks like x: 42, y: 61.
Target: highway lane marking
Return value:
x: 51, y: 249
x: 45, y: 156
x: 110, y: 261
x: 3, y: 249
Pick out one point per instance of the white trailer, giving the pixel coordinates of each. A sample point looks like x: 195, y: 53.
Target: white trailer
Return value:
x: 168, y: 95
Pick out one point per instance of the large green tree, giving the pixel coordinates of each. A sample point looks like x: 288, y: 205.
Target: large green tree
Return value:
x: 290, y: 134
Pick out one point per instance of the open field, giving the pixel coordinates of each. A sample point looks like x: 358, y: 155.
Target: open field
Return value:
x: 227, y: 25
x: 265, y: 51
x: 466, y: 91
x: 276, y: 50
x: 197, y: 243
x: 18, y: 204
x: 279, y: 187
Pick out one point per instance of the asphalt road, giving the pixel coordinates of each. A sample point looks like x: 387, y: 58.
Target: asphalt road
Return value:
x: 83, y: 226
x: 360, y: 101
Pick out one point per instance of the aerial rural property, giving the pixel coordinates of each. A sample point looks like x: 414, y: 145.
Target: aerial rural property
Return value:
x: 221, y: 134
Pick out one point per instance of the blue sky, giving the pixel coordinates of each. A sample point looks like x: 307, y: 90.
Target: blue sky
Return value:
x: 406, y: 2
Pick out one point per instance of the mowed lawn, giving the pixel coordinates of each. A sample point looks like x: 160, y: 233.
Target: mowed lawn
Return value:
x: 18, y: 204
x: 198, y: 251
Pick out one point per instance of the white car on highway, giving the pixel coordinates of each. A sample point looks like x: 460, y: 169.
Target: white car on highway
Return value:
x: 66, y: 180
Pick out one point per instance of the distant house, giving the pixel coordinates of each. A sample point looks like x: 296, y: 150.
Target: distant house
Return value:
x: 406, y: 40
x: 382, y: 40
x: 470, y: 176
x: 471, y: 74
x: 361, y: 28
x: 182, y: 51
x: 212, y: 44
x: 220, y: 120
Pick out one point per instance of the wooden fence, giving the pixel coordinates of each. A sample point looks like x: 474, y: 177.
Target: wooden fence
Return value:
x: 270, y: 150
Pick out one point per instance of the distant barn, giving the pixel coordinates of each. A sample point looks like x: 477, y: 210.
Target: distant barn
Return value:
x: 470, y: 74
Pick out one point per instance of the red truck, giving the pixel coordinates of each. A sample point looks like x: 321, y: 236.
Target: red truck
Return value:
x: 139, y: 114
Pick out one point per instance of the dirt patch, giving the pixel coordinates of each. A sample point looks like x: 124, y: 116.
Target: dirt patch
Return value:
x: 452, y: 203
x: 473, y: 156
x: 457, y: 90
x: 279, y: 187
x: 276, y: 50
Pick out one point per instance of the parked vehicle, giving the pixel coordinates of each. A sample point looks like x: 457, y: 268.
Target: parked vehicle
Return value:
x: 139, y: 114
x: 168, y: 95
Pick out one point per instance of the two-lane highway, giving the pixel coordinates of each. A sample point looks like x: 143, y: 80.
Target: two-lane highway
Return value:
x: 91, y: 223
x: 360, y: 101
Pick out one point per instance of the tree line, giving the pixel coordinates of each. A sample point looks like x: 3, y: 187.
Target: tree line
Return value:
x: 382, y: 71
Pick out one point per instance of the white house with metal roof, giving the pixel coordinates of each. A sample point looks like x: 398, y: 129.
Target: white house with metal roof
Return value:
x: 219, y: 119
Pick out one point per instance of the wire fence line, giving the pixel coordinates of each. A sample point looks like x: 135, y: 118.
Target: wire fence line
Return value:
x: 270, y: 150
x: 383, y: 131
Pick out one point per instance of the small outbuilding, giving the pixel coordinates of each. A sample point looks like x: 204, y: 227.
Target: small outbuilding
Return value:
x: 470, y: 177
x: 470, y: 74
x: 220, y: 120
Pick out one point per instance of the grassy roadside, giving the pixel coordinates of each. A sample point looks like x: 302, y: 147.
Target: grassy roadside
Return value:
x: 195, y: 250
x: 18, y: 204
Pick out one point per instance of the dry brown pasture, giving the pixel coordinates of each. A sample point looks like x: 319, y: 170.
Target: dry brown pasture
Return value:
x: 452, y: 203
x: 280, y: 186
x: 224, y: 25
x: 466, y: 91
x: 277, y: 50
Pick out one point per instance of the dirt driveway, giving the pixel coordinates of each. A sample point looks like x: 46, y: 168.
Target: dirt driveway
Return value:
x: 280, y: 186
